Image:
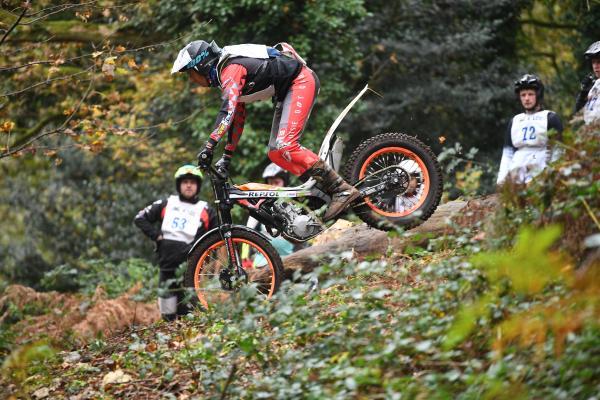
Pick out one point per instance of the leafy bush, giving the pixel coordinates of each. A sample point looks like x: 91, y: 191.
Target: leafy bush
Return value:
x: 567, y: 193
x: 464, y: 174
x: 115, y: 278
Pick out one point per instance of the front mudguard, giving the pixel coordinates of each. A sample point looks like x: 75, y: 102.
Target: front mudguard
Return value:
x: 232, y: 227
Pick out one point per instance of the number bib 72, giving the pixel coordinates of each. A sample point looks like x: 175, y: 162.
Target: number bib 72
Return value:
x: 530, y: 129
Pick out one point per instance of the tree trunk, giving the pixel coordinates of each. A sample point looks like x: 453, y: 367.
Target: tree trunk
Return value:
x: 364, y: 241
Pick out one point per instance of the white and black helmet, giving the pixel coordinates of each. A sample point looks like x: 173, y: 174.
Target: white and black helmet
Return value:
x: 593, y: 51
x: 199, y: 55
x: 275, y: 171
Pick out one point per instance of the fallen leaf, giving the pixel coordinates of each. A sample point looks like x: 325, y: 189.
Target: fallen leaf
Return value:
x: 479, y: 237
x: 41, y: 393
x: 117, y: 376
x: 73, y: 356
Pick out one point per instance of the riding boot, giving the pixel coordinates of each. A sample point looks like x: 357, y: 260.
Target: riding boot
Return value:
x: 342, y: 193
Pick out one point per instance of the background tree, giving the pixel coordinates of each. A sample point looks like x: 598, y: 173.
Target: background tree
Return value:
x: 92, y: 124
x: 445, y: 68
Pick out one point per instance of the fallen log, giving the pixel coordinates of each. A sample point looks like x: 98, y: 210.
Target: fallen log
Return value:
x: 364, y: 241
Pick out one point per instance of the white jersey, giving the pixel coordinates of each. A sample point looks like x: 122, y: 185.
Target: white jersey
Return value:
x: 530, y: 130
x: 591, y: 110
x: 181, y: 220
x: 529, y: 153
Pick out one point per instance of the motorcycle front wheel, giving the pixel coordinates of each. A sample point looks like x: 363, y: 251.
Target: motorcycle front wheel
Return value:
x: 209, y: 267
x: 414, y: 170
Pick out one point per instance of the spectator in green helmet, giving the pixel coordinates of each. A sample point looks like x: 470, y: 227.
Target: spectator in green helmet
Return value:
x: 174, y: 224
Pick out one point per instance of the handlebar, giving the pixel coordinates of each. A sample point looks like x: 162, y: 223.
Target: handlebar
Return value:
x: 211, y: 170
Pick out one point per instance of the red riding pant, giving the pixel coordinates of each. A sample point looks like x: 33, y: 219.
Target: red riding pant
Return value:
x: 288, y: 124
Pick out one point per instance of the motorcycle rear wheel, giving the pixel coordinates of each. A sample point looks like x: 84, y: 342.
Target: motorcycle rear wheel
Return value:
x: 417, y: 170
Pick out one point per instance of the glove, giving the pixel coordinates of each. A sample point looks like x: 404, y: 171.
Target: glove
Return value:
x: 222, y: 165
x: 587, y: 82
x: 205, y: 156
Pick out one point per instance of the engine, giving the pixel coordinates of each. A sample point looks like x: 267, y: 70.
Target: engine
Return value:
x: 298, y: 224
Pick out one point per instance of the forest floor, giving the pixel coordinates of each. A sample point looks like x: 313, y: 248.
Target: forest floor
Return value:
x: 394, y: 315
x: 96, y: 342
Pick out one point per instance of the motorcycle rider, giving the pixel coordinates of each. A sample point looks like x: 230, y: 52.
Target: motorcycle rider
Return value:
x: 526, y: 150
x: 589, y: 95
x: 183, y: 219
x: 250, y: 72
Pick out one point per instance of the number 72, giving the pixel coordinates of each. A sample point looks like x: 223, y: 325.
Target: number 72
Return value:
x: 531, y: 130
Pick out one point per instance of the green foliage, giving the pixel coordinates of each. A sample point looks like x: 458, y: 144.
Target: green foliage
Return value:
x: 393, y: 328
x: 463, y: 174
x: 526, y: 269
x: 528, y: 266
x: 567, y: 193
x: 373, y: 329
x: 70, y: 215
x: 533, y: 297
x: 444, y: 69
x: 26, y: 360
x: 552, y: 39
x: 115, y: 278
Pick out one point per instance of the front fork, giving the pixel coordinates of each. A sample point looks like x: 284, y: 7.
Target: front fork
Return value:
x: 234, y: 275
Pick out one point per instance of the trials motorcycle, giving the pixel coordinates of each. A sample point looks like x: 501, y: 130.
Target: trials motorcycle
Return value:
x: 400, y: 182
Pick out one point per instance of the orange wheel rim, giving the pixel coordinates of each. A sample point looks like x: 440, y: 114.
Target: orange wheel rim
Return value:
x: 423, y: 189
x: 201, y: 263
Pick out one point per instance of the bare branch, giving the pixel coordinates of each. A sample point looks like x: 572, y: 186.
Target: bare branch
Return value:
x: 72, y: 5
x: 158, y: 125
x: 151, y: 46
x: 49, y: 9
x: 548, y: 24
x: 21, y: 49
x: 25, y: 7
x: 36, y: 129
x: 68, y: 6
x: 60, y: 78
x: 53, y: 131
x: 17, y: 67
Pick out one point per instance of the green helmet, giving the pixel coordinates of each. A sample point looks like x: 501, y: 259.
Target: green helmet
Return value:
x: 188, y: 171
